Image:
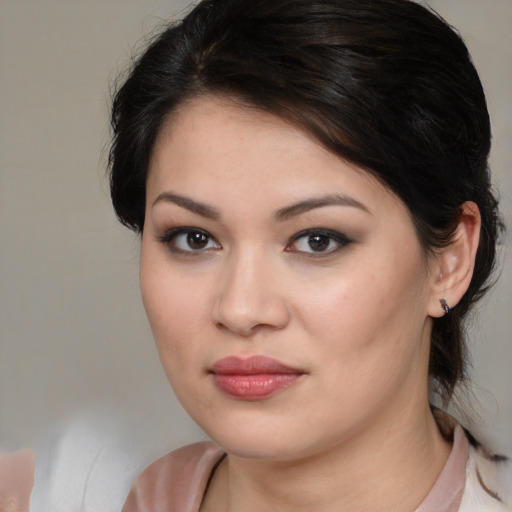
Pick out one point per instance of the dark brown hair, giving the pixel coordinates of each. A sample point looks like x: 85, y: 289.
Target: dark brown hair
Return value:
x: 385, y: 84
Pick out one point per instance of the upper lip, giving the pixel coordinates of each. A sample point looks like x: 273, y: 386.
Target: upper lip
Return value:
x: 252, y: 365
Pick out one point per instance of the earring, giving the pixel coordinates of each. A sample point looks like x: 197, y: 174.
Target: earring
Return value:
x: 445, y: 306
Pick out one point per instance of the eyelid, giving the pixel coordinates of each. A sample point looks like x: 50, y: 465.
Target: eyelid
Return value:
x: 171, y: 234
x: 341, y: 239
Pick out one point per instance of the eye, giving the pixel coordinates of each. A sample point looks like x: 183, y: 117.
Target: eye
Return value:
x: 318, y: 241
x: 189, y: 240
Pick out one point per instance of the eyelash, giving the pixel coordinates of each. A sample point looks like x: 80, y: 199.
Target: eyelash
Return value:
x: 339, y: 239
x: 169, y: 239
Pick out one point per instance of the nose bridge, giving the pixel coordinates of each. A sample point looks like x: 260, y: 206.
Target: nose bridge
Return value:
x: 248, y: 295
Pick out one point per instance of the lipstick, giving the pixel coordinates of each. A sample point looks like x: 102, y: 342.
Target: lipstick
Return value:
x: 253, y: 378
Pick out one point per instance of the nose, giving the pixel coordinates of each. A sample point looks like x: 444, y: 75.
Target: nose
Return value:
x: 248, y: 298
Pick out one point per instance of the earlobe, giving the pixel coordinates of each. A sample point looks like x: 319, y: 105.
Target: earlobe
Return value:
x: 455, y: 262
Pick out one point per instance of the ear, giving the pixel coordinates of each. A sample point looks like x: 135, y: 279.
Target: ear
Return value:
x: 452, y: 267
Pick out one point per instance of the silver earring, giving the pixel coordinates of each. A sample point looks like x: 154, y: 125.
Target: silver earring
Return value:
x: 445, y: 306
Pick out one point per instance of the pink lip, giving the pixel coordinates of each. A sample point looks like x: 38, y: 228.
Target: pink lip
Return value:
x: 253, y: 378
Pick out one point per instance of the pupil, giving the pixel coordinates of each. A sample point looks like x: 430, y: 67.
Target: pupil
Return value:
x: 318, y: 242
x: 197, y: 240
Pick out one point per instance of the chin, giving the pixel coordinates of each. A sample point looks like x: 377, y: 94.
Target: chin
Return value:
x: 260, y: 449
x: 264, y: 439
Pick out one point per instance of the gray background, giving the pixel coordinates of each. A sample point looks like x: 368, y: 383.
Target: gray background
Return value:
x: 74, y: 340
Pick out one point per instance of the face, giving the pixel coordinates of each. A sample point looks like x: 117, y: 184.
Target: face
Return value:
x: 286, y: 289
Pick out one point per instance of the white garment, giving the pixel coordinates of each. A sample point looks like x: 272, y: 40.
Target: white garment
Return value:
x: 87, y: 465
x: 482, y: 472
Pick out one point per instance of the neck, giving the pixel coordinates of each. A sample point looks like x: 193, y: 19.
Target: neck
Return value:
x: 391, y: 465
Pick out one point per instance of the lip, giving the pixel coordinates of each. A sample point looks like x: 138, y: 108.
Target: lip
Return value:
x: 253, y: 378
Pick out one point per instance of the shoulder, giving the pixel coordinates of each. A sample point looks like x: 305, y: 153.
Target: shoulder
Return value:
x: 488, y: 481
x: 176, y: 481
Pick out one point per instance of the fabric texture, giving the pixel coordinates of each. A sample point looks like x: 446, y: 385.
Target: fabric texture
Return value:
x: 175, y: 482
x: 87, y: 464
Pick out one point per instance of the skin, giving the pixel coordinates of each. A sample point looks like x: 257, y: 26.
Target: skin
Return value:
x: 355, y: 432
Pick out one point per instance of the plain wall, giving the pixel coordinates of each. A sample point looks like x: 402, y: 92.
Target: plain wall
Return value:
x: 73, y: 334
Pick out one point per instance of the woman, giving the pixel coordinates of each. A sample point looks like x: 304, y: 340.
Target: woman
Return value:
x: 310, y: 182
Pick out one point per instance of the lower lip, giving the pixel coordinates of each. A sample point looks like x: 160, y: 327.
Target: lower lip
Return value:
x: 254, y: 387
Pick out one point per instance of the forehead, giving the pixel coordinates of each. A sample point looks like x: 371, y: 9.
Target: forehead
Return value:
x: 209, y: 127
x: 212, y: 144
x: 211, y: 121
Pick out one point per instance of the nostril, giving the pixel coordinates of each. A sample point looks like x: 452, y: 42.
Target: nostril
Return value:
x: 250, y: 316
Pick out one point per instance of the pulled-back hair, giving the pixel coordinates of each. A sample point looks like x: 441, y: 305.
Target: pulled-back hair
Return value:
x: 385, y: 84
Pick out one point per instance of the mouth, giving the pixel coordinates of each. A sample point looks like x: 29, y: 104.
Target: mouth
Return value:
x: 253, y: 378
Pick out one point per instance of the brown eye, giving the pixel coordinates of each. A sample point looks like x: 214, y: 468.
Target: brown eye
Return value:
x: 189, y: 240
x: 197, y: 240
x: 319, y: 243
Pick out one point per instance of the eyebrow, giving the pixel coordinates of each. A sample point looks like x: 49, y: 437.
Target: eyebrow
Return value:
x: 189, y: 204
x: 318, y: 202
x: 282, y: 214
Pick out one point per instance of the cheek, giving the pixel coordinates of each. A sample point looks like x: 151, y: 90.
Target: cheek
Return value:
x: 370, y: 310
x: 173, y: 307
x: 367, y: 340
x: 175, y: 313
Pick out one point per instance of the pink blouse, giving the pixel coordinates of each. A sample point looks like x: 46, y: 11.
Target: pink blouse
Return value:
x: 177, y: 482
